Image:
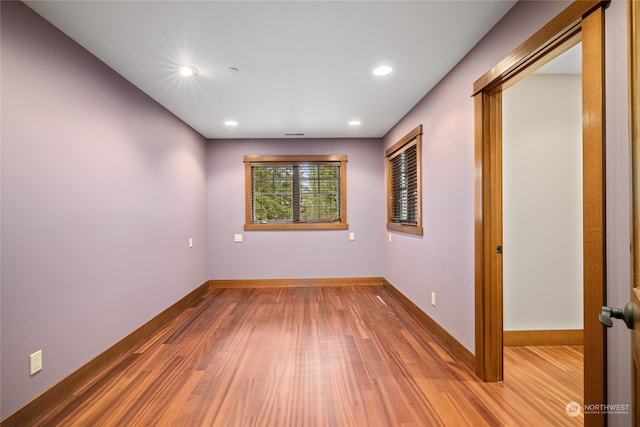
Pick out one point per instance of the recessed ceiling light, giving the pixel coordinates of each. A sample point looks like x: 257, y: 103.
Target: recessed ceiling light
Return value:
x: 188, y: 71
x: 230, y: 123
x: 382, y: 70
x: 354, y: 123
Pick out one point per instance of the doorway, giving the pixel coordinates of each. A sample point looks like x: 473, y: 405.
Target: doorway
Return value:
x: 542, y: 205
x: 582, y: 20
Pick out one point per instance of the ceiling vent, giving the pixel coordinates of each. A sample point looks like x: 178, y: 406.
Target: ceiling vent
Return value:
x: 294, y: 134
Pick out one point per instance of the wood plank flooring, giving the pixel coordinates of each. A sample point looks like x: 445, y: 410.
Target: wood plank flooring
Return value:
x: 325, y: 356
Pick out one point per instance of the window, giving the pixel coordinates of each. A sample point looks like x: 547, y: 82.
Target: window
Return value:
x: 404, y: 192
x: 295, y: 192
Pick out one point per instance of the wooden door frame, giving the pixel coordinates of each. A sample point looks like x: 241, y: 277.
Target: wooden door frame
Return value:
x: 581, y: 20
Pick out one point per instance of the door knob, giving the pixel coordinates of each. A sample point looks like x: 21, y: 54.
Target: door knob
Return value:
x: 626, y: 314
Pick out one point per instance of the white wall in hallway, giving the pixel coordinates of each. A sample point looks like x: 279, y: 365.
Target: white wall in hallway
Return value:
x: 542, y: 203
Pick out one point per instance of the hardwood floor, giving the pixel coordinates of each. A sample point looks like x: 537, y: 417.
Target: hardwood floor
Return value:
x: 326, y: 356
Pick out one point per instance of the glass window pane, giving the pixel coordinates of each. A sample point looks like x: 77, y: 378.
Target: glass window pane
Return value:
x: 272, y: 207
x: 295, y: 192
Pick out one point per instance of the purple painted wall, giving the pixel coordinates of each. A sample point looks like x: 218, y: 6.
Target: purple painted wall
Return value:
x: 101, y: 190
x: 295, y: 254
x: 443, y: 257
x: 618, y: 204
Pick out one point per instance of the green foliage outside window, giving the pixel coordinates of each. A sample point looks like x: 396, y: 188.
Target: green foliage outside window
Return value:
x: 296, y: 192
x: 272, y: 193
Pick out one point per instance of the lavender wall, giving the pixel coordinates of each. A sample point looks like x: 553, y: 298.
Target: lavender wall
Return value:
x: 618, y: 204
x: 295, y: 253
x: 443, y: 258
x: 101, y: 190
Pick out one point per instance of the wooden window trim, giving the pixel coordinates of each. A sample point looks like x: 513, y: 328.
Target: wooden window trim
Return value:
x: 251, y: 159
x: 415, y: 136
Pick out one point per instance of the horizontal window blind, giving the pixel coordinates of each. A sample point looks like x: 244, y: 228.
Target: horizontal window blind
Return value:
x: 404, y: 186
x: 296, y: 192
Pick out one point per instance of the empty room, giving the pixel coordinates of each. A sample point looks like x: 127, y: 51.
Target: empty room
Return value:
x: 301, y: 213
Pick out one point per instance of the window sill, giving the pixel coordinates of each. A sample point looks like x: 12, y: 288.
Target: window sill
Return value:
x: 299, y: 226
x: 405, y: 228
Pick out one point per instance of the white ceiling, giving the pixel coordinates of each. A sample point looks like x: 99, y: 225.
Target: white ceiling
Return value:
x: 304, y: 66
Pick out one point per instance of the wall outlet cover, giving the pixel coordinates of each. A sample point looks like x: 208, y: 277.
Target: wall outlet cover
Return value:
x: 35, y: 362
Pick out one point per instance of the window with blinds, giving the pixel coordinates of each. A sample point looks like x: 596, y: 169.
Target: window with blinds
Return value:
x: 289, y: 192
x: 404, y: 192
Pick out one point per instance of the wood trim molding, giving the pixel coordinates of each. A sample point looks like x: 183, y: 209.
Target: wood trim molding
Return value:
x: 581, y: 20
x: 341, y: 224
x: 295, y: 158
x: 298, y: 226
x: 295, y: 283
x: 488, y: 235
x: 56, y: 394
x: 543, y: 337
x: 594, y: 211
x: 417, y: 131
x: 405, y: 141
x: 457, y: 350
x: 539, y: 44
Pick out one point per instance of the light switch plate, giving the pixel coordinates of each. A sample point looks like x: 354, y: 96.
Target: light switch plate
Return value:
x: 237, y: 238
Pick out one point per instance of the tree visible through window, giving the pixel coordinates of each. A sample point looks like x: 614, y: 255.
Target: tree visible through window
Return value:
x: 404, y: 193
x: 295, y: 192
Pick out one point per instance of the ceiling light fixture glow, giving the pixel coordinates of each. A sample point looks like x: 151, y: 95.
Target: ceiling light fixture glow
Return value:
x: 354, y: 123
x: 230, y: 123
x: 382, y: 70
x: 188, y: 71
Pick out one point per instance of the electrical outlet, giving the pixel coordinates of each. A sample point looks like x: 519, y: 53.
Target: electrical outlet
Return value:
x: 35, y: 362
x: 237, y: 238
x: 433, y: 299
